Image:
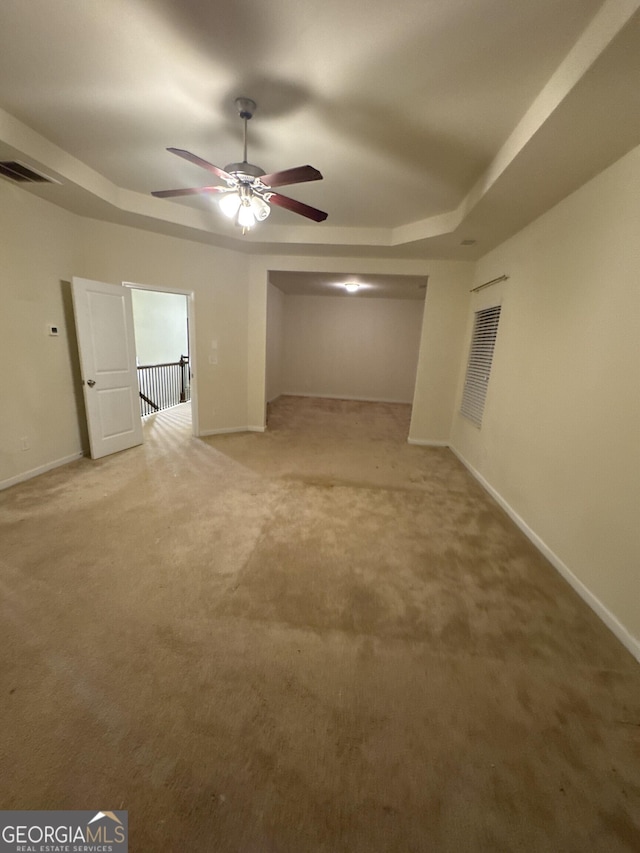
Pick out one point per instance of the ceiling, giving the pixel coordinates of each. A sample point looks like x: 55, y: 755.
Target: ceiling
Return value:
x: 434, y: 123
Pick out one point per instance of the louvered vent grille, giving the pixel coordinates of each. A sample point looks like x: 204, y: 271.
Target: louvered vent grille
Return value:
x: 485, y: 329
x: 16, y: 171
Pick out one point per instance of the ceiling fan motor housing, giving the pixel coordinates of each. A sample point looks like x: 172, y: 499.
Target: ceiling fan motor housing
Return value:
x: 244, y: 169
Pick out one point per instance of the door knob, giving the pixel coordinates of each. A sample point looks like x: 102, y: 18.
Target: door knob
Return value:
x: 91, y: 382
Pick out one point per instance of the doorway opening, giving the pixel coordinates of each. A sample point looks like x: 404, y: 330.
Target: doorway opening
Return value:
x: 163, y: 323
x: 344, y: 337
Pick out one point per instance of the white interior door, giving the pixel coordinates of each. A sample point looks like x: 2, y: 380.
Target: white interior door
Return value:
x: 106, y: 342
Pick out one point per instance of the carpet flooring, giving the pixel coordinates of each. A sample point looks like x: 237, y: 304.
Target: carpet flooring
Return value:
x: 319, y: 639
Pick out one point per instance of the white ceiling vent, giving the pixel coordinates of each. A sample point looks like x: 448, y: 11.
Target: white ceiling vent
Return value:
x: 19, y: 172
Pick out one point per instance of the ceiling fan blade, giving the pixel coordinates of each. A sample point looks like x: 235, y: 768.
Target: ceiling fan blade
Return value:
x: 204, y: 164
x: 297, y: 175
x: 192, y: 191
x: 297, y: 207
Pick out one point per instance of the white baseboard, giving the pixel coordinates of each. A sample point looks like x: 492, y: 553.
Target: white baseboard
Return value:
x: 344, y: 397
x: 612, y: 622
x: 420, y: 443
x: 41, y: 469
x: 228, y: 430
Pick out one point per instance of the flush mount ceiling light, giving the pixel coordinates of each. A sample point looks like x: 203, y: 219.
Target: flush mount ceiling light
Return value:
x: 248, y: 191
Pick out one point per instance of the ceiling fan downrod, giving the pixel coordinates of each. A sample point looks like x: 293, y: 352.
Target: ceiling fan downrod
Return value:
x: 246, y: 108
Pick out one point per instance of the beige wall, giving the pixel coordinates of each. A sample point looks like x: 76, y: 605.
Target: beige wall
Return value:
x: 443, y: 328
x: 160, y: 322
x: 275, y: 340
x: 560, y: 441
x: 256, y: 352
x: 218, y: 279
x: 41, y: 248
x: 350, y: 347
x: 39, y: 387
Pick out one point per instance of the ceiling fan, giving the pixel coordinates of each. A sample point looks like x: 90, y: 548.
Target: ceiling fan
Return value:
x: 248, y: 190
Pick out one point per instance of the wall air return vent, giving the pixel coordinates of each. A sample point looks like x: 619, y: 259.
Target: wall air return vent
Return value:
x: 16, y: 171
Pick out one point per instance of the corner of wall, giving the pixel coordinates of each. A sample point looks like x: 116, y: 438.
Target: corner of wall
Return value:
x: 441, y: 353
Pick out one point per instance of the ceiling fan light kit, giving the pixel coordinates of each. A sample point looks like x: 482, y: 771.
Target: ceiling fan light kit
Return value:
x: 248, y: 193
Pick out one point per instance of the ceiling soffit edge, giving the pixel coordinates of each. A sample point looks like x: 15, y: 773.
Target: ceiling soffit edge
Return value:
x: 20, y: 140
